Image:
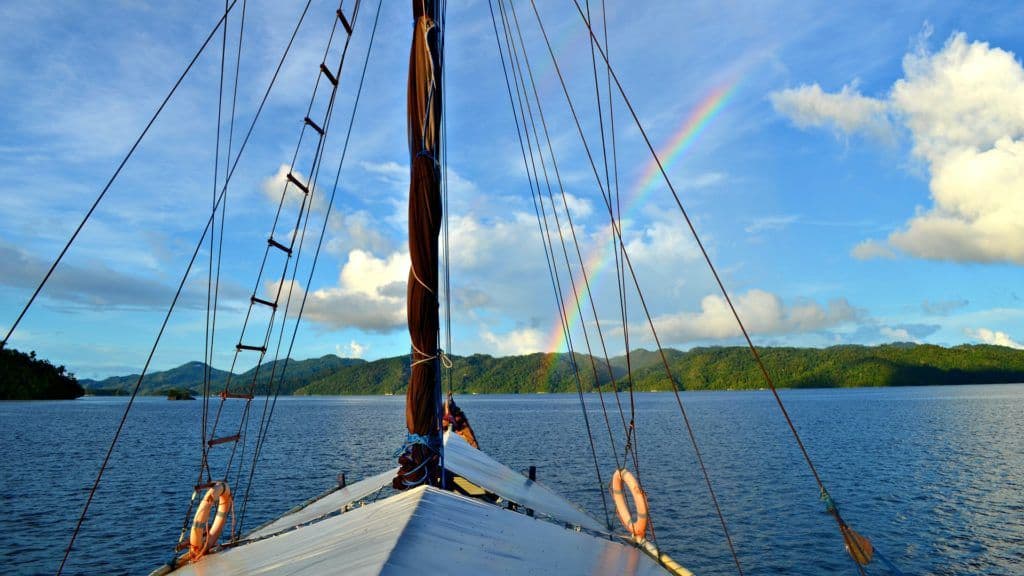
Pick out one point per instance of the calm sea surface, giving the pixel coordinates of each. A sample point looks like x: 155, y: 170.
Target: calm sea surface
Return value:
x: 934, y: 475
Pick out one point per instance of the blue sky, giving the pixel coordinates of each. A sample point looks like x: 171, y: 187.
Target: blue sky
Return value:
x: 864, y: 183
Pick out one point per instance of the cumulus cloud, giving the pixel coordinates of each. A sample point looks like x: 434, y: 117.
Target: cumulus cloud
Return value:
x: 994, y: 337
x: 394, y: 174
x: 762, y: 313
x: 908, y: 332
x: 273, y: 186
x: 356, y: 230
x: 370, y: 294
x: 353, y: 350
x: 519, y: 341
x: 963, y: 108
x: 579, y: 207
x: 870, y: 249
x: 847, y: 111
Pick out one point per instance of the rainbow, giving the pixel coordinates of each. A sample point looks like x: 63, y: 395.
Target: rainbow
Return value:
x: 678, y: 144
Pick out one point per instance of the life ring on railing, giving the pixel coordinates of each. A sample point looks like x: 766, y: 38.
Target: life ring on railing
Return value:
x: 202, y: 539
x: 637, y: 528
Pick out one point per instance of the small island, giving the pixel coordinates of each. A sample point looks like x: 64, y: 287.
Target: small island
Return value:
x: 180, y: 394
x: 25, y: 377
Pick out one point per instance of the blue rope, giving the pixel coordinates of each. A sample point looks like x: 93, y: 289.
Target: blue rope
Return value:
x: 431, y: 442
x: 892, y: 567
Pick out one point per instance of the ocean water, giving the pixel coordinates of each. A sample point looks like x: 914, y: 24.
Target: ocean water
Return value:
x: 934, y: 475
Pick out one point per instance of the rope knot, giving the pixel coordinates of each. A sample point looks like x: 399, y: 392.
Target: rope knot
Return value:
x: 432, y: 443
x: 830, y: 504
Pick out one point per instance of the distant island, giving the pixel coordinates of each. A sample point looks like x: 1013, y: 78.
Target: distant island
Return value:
x: 178, y: 394
x: 705, y: 368
x: 25, y: 377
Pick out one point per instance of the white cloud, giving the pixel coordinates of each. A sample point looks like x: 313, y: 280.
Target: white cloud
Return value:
x: 273, y: 186
x: 353, y: 350
x: 357, y: 230
x: 994, y: 337
x: 661, y: 245
x: 963, y: 108
x: 846, y: 111
x: 578, y: 207
x: 762, y: 313
x: 393, y: 173
x: 896, y: 334
x: 520, y: 341
x: 370, y: 294
x: 869, y: 249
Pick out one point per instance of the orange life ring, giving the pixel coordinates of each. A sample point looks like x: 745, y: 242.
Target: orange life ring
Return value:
x: 637, y: 528
x: 202, y: 538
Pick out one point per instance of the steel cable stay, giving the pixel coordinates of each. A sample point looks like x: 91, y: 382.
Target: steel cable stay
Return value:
x: 618, y: 232
x: 549, y: 259
x: 576, y: 294
x: 446, y: 250
x: 628, y: 429
x: 851, y: 538
x: 619, y: 269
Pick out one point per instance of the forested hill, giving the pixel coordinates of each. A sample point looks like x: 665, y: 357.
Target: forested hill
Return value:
x: 715, y: 368
x: 25, y: 377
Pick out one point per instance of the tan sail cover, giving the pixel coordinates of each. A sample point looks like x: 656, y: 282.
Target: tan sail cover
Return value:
x: 429, y: 531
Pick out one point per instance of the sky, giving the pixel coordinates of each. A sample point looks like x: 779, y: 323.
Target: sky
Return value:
x: 855, y: 171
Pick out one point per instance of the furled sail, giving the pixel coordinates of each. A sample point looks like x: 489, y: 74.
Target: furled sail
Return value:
x: 419, y: 461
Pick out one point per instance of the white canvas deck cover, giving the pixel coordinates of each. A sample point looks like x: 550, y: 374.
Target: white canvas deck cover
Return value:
x: 486, y: 472
x: 464, y: 460
x: 428, y: 531
x: 329, y: 504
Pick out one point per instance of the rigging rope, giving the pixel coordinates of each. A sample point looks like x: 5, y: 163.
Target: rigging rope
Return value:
x: 302, y: 218
x: 259, y: 276
x: 548, y: 259
x: 208, y: 340
x: 750, y: 344
x: 113, y: 177
x: 650, y: 321
x: 330, y: 204
x: 138, y: 383
x: 575, y: 291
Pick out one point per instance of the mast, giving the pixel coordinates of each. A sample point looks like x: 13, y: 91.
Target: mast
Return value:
x: 419, y: 461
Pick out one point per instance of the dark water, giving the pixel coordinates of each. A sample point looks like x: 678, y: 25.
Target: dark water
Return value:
x: 935, y: 475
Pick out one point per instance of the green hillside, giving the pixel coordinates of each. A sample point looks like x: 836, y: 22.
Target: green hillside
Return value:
x: 25, y: 377
x: 712, y: 368
x: 189, y: 377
